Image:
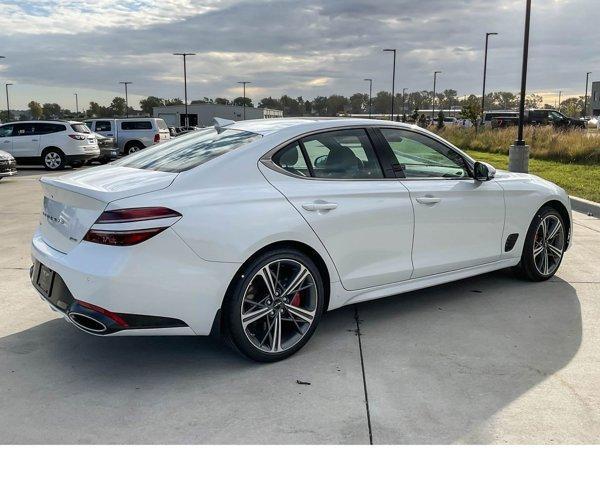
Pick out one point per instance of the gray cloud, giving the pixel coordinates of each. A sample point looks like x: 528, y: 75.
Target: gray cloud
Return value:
x: 314, y: 47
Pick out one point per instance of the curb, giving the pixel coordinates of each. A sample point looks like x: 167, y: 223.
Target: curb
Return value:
x: 585, y: 206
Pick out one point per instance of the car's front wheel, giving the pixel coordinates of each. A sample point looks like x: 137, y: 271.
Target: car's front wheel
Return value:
x: 544, y: 246
x: 53, y: 159
x: 274, y: 305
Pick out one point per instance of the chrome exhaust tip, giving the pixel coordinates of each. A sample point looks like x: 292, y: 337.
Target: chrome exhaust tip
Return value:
x: 87, y: 323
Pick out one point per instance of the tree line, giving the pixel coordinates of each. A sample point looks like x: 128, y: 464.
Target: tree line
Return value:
x: 333, y: 105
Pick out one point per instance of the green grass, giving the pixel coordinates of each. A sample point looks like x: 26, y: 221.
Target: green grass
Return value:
x: 578, y: 180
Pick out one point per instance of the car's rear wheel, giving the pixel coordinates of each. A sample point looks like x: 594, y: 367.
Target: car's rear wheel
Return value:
x: 274, y: 305
x: 544, y: 246
x: 133, y: 147
x: 53, y: 159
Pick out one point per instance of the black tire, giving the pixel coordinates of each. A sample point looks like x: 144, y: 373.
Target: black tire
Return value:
x: 77, y: 164
x: 234, y: 301
x: 133, y: 146
x: 53, y: 159
x: 103, y: 161
x: 529, y: 267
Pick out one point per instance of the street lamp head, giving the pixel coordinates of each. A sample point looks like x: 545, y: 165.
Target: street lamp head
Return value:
x: 8, y: 84
x: 126, y: 83
x: 244, y: 83
x: 437, y: 71
x: 184, y: 54
x: 389, y: 49
x: 492, y: 33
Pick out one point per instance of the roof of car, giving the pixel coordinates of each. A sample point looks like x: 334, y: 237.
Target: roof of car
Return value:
x: 44, y: 121
x: 271, y: 125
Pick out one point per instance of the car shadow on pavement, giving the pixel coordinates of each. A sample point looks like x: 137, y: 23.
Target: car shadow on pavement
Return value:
x: 441, y: 362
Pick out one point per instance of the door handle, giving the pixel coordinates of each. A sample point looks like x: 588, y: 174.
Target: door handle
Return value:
x: 6, y: 141
x: 34, y: 140
x: 319, y: 205
x: 428, y: 200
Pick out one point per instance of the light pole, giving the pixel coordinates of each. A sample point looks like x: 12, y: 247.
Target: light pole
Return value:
x: 126, y: 98
x: 244, y: 96
x: 518, y: 153
x: 370, y: 80
x: 185, y: 55
x: 76, y: 104
x: 435, y: 74
x: 393, y: 78
x: 487, y: 37
x: 559, y: 96
x: 6, y: 85
x: 404, y: 104
x: 587, y: 80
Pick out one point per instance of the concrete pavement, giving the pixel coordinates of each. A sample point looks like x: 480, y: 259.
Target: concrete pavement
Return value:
x: 490, y: 359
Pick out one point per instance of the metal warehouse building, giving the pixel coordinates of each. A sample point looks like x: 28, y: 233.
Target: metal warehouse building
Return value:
x: 596, y: 99
x: 202, y: 114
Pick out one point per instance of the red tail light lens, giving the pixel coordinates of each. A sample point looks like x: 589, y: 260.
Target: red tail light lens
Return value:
x: 77, y: 137
x: 124, y: 238
x: 136, y: 214
x: 156, y: 137
x: 116, y: 318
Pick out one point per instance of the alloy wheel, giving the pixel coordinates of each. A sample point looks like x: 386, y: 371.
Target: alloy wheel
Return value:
x: 548, y: 245
x: 279, y: 305
x: 52, y: 160
x: 133, y: 149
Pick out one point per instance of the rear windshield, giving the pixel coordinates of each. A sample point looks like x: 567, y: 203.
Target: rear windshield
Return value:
x: 161, y: 124
x: 188, y: 151
x: 80, y: 128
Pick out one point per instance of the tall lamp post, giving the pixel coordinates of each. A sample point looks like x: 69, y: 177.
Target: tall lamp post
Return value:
x: 126, y: 98
x: 6, y: 85
x: 76, y: 104
x: 487, y: 37
x: 370, y: 80
x: 244, y: 97
x: 185, y: 55
x: 518, y: 153
x: 587, y: 81
x: 559, y: 97
x: 393, y: 79
x: 404, y: 104
x: 435, y: 74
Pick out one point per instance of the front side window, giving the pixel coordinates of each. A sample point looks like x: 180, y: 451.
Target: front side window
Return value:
x: 103, y: 126
x: 136, y: 125
x: 342, y: 154
x: 188, y: 151
x: 6, y: 130
x: 419, y: 156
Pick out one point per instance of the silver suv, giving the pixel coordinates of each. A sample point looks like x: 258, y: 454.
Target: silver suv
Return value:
x: 131, y: 134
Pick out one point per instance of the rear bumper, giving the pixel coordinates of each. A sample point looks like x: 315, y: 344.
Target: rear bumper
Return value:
x: 8, y: 172
x: 159, y: 287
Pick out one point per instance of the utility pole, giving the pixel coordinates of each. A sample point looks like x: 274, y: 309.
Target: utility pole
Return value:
x: 404, y: 104
x: 370, y: 80
x: 559, y: 97
x: 6, y: 85
x: 487, y: 37
x: 185, y: 55
x: 126, y: 98
x: 393, y: 79
x: 435, y: 74
x: 77, y: 105
x: 585, y: 102
x: 519, y: 152
x: 244, y: 97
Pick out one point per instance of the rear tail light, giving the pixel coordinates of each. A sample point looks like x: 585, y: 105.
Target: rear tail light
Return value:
x: 77, y: 137
x: 113, y: 316
x: 156, y: 137
x: 124, y: 238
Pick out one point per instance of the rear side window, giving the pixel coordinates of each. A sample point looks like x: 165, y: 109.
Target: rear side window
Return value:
x: 80, y: 128
x: 46, y: 128
x: 188, y: 151
x: 24, y: 129
x: 103, y: 126
x: 136, y: 125
x: 292, y: 160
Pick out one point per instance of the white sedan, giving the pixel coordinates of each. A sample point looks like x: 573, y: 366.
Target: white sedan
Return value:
x: 255, y: 229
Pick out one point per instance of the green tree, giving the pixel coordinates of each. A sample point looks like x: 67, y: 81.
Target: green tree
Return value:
x: 51, y: 110
x: 147, y: 104
x: 471, y: 112
x: 222, y: 101
x: 270, y: 102
x: 572, y: 107
x: 118, y: 106
x: 533, y: 101
x: 359, y: 103
x: 35, y: 109
x: 243, y: 100
x: 173, y: 101
x: 319, y: 106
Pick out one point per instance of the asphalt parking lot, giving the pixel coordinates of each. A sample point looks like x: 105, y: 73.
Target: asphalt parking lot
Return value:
x: 490, y: 359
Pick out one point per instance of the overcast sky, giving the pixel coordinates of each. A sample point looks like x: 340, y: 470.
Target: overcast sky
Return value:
x: 317, y: 47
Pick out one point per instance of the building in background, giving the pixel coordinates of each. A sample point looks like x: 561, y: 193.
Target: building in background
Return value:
x: 202, y: 114
x: 595, y: 99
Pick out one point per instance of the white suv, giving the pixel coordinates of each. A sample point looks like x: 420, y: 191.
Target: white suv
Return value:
x: 53, y: 143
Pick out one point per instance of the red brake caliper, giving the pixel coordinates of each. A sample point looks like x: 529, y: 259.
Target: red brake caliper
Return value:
x: 296, y: 300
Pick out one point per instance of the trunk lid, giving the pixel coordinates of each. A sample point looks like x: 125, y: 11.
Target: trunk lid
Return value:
x: 73, y: 202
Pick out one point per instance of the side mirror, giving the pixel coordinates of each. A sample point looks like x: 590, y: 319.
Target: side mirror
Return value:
x: 482, y: 172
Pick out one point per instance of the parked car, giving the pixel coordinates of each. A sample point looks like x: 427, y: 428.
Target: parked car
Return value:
x: 51, y: 143
x: 173, y: 132
x: 8, y: 165
x: 255, y: 229
x: 131, y: 134
x: 108, y: 150
x: 540, y: 116
x: 492, y: 114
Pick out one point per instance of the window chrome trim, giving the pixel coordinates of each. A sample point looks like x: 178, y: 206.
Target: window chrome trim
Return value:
x: 267, y: 158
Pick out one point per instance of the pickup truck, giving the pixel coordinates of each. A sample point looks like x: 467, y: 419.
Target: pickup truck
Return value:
x: 131, y: 134
x: 539, y: 116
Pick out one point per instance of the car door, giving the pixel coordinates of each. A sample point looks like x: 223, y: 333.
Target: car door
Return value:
x: 364, y: 220
x: 6, y: 138
x: 25, y: 140
x: 458, y: 221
